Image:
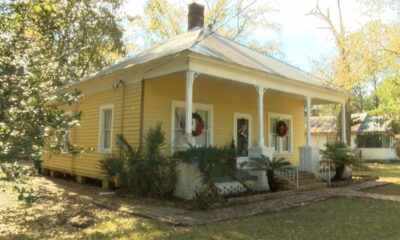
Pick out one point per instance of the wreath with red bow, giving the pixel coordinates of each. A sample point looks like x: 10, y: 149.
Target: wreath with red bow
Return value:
x: 199, y: 124
x: 281, y: 128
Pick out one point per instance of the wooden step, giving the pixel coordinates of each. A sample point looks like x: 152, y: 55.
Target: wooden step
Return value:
x: 313, y: 186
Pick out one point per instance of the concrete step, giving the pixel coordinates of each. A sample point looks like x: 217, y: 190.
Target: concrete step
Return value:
x: 306, y: 176
x: 313, y: 186
x: 309, y: 181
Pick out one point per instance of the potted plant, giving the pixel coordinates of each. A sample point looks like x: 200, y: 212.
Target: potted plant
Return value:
x: 341, y: 157
x: 266, y: 164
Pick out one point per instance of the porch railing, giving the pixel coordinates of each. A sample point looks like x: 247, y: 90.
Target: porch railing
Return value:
x: 323, y: 171
x: 290, y: 174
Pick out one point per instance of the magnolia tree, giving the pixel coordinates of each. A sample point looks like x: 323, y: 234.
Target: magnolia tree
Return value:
x: 43, y: 46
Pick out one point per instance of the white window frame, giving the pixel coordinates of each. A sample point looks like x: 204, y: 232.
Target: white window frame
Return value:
x: 101, y: 148
x: 281, y: 116
x: 196, y: 106
x: 236, y: 116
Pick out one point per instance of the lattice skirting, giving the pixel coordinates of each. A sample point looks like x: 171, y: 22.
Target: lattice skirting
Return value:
x: 231, y: 188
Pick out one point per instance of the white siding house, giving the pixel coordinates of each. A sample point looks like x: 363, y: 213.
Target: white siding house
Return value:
x: 372, y: 135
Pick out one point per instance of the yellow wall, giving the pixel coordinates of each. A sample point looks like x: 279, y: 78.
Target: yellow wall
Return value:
x: 86, y: 135
x: 226, y: 99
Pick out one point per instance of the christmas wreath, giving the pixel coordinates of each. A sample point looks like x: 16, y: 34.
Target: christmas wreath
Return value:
x: 199, y: 124
x: 281, y: 128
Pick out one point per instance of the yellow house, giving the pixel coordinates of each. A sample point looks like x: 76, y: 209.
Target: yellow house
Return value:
x: 238, y: 93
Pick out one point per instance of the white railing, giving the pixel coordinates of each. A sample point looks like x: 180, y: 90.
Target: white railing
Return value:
x: 323, y: 171
x: 291, y: 174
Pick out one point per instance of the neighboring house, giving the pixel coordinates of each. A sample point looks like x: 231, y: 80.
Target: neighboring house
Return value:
x: 373, y: 136
x: 238, y: 93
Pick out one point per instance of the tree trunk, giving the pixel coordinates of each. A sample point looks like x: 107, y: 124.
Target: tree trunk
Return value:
x: 271, y: 181
x: 339, y: 172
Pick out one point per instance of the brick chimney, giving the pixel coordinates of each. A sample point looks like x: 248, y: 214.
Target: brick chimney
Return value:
x: 195, y: 16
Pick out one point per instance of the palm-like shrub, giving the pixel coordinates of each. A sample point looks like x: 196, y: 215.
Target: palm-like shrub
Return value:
x: 147, y: 171
x: 340, y: 156
x: 266, y: 164
x: 157, y: 169
x: 212, y: 161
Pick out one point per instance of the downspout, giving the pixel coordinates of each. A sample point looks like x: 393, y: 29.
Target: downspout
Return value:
x: 141, y: 115
x: 121, y: 130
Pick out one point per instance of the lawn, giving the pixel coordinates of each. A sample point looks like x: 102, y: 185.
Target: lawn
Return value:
x: 56, y: 215
x: 339, y: 218
x: 389, y: 172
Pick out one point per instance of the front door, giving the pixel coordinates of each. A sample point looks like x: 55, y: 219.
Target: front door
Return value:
x: 242, y: 133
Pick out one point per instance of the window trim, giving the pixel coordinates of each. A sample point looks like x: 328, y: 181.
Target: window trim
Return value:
x: 101, y: 149
x: 281, y: 116
x: 196, y: 106
x: 238, y: 115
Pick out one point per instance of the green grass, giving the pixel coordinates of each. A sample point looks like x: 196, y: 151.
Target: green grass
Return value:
x: 391, y: 189
x: 389, y: 172
x: 339, y: 218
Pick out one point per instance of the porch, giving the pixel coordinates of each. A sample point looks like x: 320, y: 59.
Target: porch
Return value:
x: 233, y: 112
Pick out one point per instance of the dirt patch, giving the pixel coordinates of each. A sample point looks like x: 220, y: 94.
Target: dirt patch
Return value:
x: 55, y: 212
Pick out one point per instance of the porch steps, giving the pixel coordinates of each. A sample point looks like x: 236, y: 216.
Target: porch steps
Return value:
x: 307, y: 181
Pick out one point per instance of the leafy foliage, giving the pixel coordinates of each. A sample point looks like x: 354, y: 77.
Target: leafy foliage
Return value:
x: 266, y: 164
x: 43, y: 45
x: 212, y: 161
x: 339, y: 155
x: 146, y: 171
x: 164, y: 19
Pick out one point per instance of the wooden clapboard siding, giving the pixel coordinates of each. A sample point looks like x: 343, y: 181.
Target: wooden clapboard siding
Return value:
x: 226, y: 97
x: 86, y: 135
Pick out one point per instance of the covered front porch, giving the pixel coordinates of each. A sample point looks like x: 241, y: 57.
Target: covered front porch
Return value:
x: 235, y: 112
x: 272, y: 109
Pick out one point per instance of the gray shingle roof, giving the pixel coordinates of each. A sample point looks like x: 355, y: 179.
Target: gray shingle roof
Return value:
x: 323, y: 124
x: 206, y: 43
x: 361, y: 123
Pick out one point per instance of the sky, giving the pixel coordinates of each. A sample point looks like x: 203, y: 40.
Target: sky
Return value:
x: 301, y: 36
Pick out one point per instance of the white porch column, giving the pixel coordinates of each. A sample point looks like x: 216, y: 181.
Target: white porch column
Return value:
x: 308, y: 120
x: 344, y: 123
x: 260, y: 149
x: 308, y: 154
x: 260, y: 139
x: 189, y: 104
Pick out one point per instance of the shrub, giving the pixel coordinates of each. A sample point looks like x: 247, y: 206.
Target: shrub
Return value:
x: 340, y: 156
x: 26, y: 195
x: 266, y: 164
x: 212, y: 161
x: 13, y: 170
x: 148, y: 170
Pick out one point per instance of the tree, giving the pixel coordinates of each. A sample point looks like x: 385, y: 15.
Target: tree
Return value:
x: 45, y: 44
x: 340, y: 70
x: 388, y: 92
x: 236, y: 20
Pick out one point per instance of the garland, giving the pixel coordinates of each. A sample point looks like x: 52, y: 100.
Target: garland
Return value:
x: 199, y: 124
x: 281, y: 128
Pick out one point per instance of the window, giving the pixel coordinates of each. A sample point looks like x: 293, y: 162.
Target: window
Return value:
x: 281, y: 144
x: 106, y: 125
x: 374, y: 141
x: 178, y: 137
